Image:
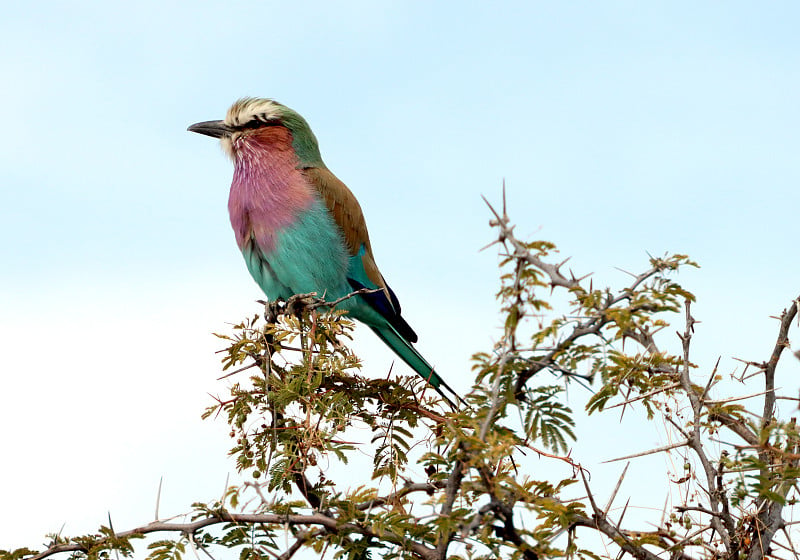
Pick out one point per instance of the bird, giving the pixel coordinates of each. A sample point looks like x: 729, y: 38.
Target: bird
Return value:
x: 300, y: 229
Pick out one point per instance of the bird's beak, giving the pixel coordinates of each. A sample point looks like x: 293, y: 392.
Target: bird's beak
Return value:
x: 215, y: 129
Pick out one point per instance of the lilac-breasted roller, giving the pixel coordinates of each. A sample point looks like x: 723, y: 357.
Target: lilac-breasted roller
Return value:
x: 300, y: 228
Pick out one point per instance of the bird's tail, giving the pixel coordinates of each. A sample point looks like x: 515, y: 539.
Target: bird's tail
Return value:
x: 415, y: 360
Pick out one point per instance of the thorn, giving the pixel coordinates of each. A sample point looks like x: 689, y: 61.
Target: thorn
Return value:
x: 495, y: 242
x: 505, y: 213
x: 651, y: 451
x: 616, y: 488
x: 624, y: 510
x: 225, y: 491
x: 158, y: 496
x: 797, y: 310
x: 492, y: 209
x: 113, y: 532
x: 626, y: 272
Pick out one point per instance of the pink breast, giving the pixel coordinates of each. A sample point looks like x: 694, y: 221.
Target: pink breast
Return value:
x: 268, y: 192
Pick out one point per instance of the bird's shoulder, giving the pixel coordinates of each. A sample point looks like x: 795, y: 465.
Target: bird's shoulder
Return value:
x: 343, y: 206
x: 347, y: 214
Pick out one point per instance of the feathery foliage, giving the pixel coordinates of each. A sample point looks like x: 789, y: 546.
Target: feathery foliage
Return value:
x: 365, y: 466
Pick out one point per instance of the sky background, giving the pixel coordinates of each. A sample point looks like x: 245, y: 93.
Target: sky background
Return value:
x: 620, y: 129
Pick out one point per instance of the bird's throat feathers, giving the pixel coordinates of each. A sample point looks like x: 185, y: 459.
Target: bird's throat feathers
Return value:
x: 268, y: 191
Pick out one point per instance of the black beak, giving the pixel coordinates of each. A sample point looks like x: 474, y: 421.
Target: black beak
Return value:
x: 215, y: 129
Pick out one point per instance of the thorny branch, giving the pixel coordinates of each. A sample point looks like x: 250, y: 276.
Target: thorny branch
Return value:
x: 467, y: 490
x: 593, y: 325
x: 715, y: 493
x: 720, y: 516
x: 769, y: 372
x: 329, y: 523
x: 769, y: 518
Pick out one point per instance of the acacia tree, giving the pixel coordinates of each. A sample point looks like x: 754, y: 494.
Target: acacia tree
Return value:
x: 445, y: 483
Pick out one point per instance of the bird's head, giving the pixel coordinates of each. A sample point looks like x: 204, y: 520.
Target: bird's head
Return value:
x: 249, y: 115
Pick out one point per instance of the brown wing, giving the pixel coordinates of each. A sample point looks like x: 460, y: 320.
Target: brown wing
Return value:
x: 347, y: 214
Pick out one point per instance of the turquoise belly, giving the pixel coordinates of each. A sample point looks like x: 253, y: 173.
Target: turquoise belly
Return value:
x: 309, y: 256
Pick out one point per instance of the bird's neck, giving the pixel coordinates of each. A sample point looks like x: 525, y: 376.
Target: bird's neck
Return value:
x: 268, y: 190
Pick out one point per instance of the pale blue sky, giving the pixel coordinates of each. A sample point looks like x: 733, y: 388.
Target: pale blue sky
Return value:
x: 621, y: 128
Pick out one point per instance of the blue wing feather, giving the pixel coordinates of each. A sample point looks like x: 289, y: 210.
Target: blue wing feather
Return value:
x: 387, y: 307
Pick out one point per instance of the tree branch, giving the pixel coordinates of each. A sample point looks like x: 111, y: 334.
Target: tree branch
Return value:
x: 329, y: 523
x: 716, y: 494
x: 769, y: 370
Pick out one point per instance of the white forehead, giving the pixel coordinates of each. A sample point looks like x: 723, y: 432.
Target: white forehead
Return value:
x: 248, y: 109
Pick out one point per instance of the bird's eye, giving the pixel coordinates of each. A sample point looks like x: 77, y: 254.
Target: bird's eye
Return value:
x: 257, y: 121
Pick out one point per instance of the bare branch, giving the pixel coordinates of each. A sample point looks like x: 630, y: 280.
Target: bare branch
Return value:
x: 328, y: 523
x: 769, y: 371
x: 735, y: 426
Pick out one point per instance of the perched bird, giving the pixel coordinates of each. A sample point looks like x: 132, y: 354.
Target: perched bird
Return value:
x: 300, y: 228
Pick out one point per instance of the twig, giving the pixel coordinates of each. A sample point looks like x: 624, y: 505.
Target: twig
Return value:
x: 300, y: 540
x: 600, y: 522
